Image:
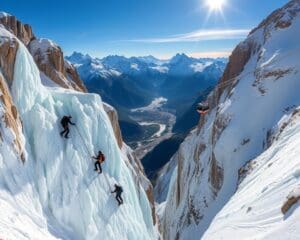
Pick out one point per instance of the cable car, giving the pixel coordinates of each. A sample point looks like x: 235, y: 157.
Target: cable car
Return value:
x: 203, y: 108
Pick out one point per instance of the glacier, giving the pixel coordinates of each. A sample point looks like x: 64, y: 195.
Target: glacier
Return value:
x: 55, y: 193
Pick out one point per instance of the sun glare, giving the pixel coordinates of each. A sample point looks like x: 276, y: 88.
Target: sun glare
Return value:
x: 215, y: 5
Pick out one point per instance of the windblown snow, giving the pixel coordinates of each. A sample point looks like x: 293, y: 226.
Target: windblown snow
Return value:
x: 56, y: 194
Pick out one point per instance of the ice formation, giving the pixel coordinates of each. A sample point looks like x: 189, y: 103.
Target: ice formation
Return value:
x: 56, y: 194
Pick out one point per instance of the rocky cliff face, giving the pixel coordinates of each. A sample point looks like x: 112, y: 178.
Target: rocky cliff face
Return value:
x: 50, y: 60
x: 140, y: 178
x: 8, y: 51
x: 113, y: 116
x: 12, y: 125
x: 48, y: 56
x: 256, y: 90
x: 17, y: 28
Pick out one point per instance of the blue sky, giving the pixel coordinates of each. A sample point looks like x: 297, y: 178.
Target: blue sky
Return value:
x: 142, y: 27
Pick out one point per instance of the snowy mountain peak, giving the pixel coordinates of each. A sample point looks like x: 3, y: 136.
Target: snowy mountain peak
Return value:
x: 280, y: 18
x: 114, y: 65
x: 179, y: 57
x: 78, y: 58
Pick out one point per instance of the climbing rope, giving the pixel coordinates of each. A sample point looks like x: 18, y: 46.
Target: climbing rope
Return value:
x: 90, y: 155
x: 228, y: 82
x: 107, y: 182
x: 81, y: 137
x: 281, y: 56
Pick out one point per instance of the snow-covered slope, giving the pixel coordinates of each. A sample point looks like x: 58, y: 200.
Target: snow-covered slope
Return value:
x: 259, y: 86
x: 254, y: 212
x: 55, y: 194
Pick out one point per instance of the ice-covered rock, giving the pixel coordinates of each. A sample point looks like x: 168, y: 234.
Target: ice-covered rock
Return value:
x: 48, y: 55
x: 50, y: 60
x: 55, y: 194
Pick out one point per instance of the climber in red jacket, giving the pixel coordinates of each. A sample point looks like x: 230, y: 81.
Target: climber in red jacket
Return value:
x: 99, y: 160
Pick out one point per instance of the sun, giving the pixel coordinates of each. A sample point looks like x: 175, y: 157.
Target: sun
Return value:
x: 215, y: 5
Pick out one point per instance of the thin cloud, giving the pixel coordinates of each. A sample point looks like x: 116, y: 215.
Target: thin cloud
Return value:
x: 201, y: 35
x: 215, y: 54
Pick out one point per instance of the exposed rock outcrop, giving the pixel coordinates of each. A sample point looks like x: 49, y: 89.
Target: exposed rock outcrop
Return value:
x: 290, y: 202
x: 50, y: 60
x: 113, y: 116
x: 140, y: 178
x: 22, y: 31
x: 8, y: 51
x: 11, y: 119
x: 47, y: 55
x: 237, y: 61
x: 9, y: 113
x: 216, y: 175
x: 73, y: 76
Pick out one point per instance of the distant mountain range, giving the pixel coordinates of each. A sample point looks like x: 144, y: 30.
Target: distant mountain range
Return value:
x: 133, y: 82
x: 115, y: 65
x: 142, y: 78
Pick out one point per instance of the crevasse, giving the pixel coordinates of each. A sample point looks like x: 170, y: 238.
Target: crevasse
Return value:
x: 68, y: 198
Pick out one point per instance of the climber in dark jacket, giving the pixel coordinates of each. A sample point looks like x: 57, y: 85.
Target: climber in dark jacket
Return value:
x: 99, y: 160
x: 118, y: 190
x: 65, y: 121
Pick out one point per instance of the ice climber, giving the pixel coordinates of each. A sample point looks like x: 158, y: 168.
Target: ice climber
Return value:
x: 99, y: 160
x: 65, y: 121
x: 118, y: 190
